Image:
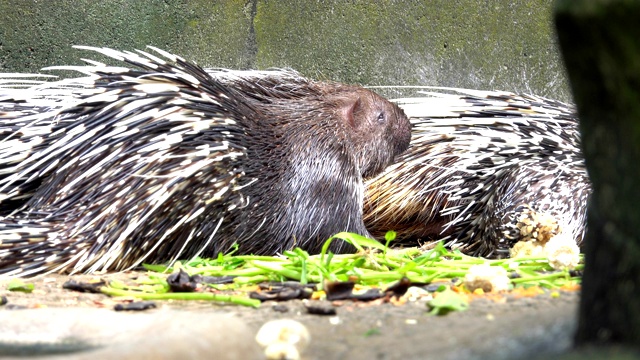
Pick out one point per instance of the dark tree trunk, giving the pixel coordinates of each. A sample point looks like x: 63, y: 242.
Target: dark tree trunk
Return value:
x: 600, y: 42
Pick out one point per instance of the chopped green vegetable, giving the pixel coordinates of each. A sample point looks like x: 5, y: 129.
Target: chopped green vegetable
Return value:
x: 447, y: 301
x: 371, y: 332
x: 238, y: 300
x: 373, y: 265
x: 19, y: 285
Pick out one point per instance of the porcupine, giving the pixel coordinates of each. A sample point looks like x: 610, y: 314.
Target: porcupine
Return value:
x: 482, y: 168
x: 162, y: 160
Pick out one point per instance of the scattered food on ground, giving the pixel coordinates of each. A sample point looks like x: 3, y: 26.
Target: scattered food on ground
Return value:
x: 375, y: 274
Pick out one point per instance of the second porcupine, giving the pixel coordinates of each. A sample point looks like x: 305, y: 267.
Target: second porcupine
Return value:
x: 485, y: 170
x: 164, y: 161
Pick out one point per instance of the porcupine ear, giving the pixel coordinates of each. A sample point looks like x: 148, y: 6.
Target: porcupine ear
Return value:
x: 349, y: 109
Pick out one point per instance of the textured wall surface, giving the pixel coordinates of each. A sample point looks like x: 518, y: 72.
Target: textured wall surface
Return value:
x: 493, y: 44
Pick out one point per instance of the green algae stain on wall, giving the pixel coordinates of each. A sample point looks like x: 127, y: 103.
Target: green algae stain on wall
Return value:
x: 55, y: 26
x: 39, y: 34
x: 333, y: 38
x: 506, y: 45
x: 492, y: 44
x: 218, y: 34
x: 499, y: 45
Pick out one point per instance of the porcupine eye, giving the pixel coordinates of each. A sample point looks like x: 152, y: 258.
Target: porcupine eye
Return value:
x: 382, y: 118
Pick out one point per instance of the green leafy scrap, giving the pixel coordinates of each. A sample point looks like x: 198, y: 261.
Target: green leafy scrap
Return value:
x: 372, y: 265
x: 446, y: 301
x: 20, y: 286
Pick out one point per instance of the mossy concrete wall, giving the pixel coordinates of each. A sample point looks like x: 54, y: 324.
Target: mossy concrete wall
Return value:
x: 492, y: 44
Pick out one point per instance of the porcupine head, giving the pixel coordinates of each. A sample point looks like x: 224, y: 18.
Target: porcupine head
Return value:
x: 328, y: 142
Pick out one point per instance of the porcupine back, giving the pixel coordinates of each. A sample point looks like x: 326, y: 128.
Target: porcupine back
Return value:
x: 164, y: 160
x: 479, y: 161
x: 27, y: 105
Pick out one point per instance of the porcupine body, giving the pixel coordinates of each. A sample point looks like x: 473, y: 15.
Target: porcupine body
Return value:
x: 482, y: 166
x: 161, y: 160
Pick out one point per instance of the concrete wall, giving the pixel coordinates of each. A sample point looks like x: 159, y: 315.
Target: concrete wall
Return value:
x: 490, y: 44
